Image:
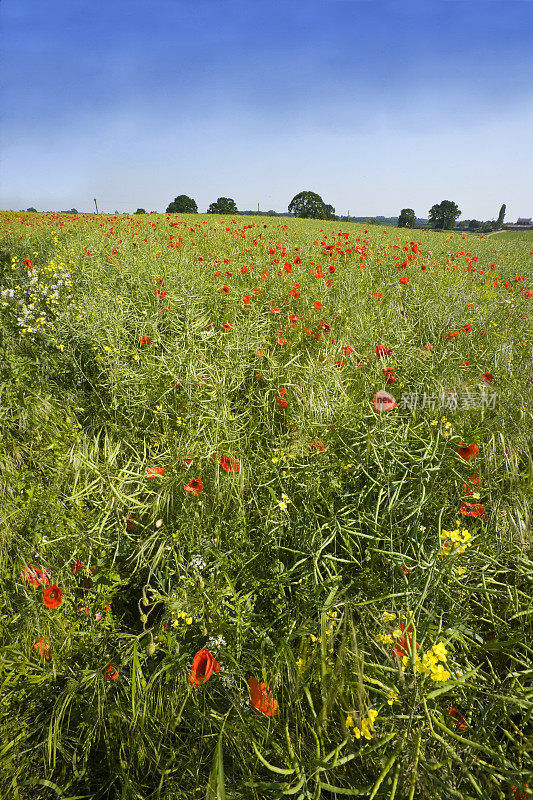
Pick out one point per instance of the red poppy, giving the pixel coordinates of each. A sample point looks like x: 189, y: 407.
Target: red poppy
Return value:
x: 229, y: 464
x: 487, y: 377
x: 389, y: 374
x: 227, y: 326
x: 451, y: 336
x: 275, y: 310
x: 52, y: 596
x: 472, y: 510
x: 111, y: 673
x: 282, y: 402
x: 77, y: 566
x: 467, y: 451
x: 382, y: 351
x: 318, y: 304
x: 281, y: 340
x: 347, y: 350
x: 43, y: 646
x: 151, y: 472
x: 404, y: 643
x: 203, y: 666
x: 377, y: 296
x: 460, y: 721
x: 145, y: 340
x: 246, y: 299
x: 467, y: 328
x: 226, y: 289
x: 27, y: 263
x: 35, y: 576
x: 195, y: 486
x: 404, y: 280
x: 261, y: 699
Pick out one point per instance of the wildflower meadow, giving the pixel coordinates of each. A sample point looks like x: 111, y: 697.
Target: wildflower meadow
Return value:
x: 266, y: 510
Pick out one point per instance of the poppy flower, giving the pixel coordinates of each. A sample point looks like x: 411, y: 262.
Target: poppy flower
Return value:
x: 451, y: 336
x: 281, y: 340
x: 389, y: 374
x: 111, y: 673
x: 52, y: 596
x: 203, y: 666
x: 404, y: 280
x: 35, y: 576
x: 472, y: 510
x: 43, y: 646
x: 467, y: 451
x: 145, y: 340
x: 77, y: 566
x: 151, y: 472
x: 383, y: 401
x: 227, y: 326
x: 487, y: 377
x: 404, y: 643
x: 347, y: 350
x: 282, y: 402
x: 229, y: 464
x: 27, y: 263
x: 318, y: 305
x: 377, y: 296
x: 467, y: 328
x: 382, y: 351
x: 261, y: 699
x: 246, y: 299
x: 226, y: 289
x: 460, y: 721
x: 195, y: 486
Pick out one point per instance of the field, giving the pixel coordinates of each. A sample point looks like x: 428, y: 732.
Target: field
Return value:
x: 266, y: 510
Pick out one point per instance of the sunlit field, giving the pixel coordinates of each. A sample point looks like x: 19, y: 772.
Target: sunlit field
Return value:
x: 266, y: 510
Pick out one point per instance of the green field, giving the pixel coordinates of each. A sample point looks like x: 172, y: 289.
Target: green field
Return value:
x: 193, y: 458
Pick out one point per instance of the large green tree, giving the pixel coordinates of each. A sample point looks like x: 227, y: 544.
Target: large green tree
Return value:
x: 310, y: 205
x: 407, y: 218
x: 182, y: 205
x: 224, y: 205
x: 501, y: 215
x: 444, y: 215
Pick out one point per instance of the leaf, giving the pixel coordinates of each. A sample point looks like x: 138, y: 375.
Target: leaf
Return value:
x: 216, y: 786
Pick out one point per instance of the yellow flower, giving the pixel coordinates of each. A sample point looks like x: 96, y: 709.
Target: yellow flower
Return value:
x: 350, y: 723
x: 388, y: 617
x: 393, y: 697
x: 440, y: 651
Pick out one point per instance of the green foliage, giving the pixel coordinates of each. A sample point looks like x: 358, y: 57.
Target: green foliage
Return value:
x: 141, y: 211
x: 407, y: 218
x: 224, y: 205
x: 182, y: 205
x: 501, y: 217
x: 309, y: 205
x: 444, y: 215
x: 299, y: 568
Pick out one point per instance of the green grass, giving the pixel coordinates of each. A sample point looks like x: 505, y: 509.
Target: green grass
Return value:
x: 341, y: 524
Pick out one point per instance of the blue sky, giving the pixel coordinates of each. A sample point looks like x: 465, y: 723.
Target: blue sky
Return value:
x: 376, y: 105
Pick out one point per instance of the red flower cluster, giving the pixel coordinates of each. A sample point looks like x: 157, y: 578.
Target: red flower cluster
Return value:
x: 35, y: 576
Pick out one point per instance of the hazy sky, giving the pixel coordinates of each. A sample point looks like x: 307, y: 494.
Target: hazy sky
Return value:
x: 376, y: 105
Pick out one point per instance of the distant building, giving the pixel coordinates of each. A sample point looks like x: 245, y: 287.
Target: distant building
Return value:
x: 521, y: 224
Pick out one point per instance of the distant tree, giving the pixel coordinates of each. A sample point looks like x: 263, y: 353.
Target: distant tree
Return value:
x: 501, y: 215
x: 444, y: 215
x: 271, y: 213
x: 474, y: 225
x: 73, y: 211
x: 309, y: 205
x: 407, y: 218
x: 182, y: 205
x: 141, y: 211
x: 34, y: 210
x: 224, y: 205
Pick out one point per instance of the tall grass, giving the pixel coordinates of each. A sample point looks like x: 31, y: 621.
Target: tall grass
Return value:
x: 298, y: 569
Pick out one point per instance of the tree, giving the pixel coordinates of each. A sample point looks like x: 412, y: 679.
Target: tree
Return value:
x: 31, y: 209
x: 444, y: 215
x: 182, y: 205
x: 310, y: 205
x: 501, y: 215
x: 141, y: 211
x: 407, y: 218
x: 224, y: 205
